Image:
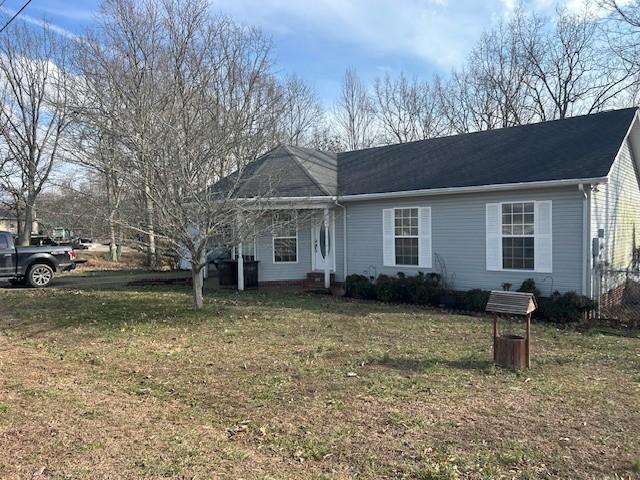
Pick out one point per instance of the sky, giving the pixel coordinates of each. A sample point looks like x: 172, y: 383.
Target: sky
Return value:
x: 319, y: 39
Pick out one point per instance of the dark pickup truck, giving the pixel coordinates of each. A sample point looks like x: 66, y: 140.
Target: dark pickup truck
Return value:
x: 33, y: 266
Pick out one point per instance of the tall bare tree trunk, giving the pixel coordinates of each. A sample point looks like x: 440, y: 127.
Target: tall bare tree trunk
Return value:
x: 25, y: 235
x: 113, y: 246
x: 196, y: 277
x: 119, y: 245
x: 152, y: 259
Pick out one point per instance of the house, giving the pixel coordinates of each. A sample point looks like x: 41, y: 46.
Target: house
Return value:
x: 547, y: 201
x: 8, y: 222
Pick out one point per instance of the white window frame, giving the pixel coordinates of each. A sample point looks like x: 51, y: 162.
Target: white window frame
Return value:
x: 273, y: 242
x: 536, y: 236
x: 532, y: 235
x: 425, y: 238
x: 417, y: 237
x: 234, y: 250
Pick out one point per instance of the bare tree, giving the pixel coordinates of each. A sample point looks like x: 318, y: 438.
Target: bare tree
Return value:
x: 407, y: 110
x: 93, y: 146
x: 301, y: 112
x: 186, y: 109
x: 572, y: 69
x: 492, y: 89
x: 325, y: 140
x: 354, y: 112
x: 35, y: 111
x: 121, y: 66
x: 467, y: 104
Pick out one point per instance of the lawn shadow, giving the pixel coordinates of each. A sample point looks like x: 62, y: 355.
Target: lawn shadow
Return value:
x: 417, y: 365
x: 90, y: 308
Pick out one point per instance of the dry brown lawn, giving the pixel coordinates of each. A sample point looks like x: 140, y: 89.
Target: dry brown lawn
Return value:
x: 273, y: 385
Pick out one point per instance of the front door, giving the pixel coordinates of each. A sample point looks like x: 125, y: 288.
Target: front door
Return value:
x: 323, y: 243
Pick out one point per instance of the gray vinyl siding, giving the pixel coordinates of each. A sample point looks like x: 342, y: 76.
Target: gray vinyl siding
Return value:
x: 615, y: 208
x: 270, y: 271
x: 458, y: 228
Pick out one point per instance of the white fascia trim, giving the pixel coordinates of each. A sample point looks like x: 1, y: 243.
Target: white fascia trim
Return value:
x: 474, y: 189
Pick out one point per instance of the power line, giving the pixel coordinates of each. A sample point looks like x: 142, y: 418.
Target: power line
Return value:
x: 16, y: 14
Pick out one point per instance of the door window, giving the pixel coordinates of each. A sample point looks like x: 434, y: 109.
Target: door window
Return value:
x: 324, y: 241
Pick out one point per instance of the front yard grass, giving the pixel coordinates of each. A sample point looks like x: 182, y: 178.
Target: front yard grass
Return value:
x: 131, y: 384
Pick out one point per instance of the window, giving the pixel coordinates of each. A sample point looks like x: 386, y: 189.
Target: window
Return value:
x: 406, y: 236
x: 518, y: 236
x: 248, y: 251
x: 4, y: 242
x: 285, y: 238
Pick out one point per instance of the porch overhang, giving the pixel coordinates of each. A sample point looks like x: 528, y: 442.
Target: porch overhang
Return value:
x: 290, y: 203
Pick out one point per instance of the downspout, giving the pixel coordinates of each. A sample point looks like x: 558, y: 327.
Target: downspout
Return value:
x: 586, y: 234
x: 344, y: 236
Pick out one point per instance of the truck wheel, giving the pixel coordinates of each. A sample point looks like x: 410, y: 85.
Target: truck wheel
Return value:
x: 40, y: 275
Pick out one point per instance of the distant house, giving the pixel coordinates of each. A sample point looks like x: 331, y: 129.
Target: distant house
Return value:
x: 546, y: 201
x: 9, y: 222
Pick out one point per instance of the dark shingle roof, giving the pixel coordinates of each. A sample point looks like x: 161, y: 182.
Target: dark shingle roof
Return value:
x: 288, y: 171
x: 574, y: 148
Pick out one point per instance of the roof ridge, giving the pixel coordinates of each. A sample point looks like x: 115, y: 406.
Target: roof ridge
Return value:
x: 485, y: 132
x: 305, y: 170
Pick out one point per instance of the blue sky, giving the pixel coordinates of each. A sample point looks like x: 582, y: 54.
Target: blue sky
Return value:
x: 318, y: 39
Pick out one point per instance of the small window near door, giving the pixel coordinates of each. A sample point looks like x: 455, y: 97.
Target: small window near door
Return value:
x: 406, y: 236
x: 248, y: 251
x: 285, y: 238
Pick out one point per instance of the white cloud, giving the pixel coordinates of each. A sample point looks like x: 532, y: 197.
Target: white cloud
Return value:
x: 439, y: 31
x: 38, y: 21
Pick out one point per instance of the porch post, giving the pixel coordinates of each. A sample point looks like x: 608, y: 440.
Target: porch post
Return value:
x: 240, y: 268
x: 329, y: 245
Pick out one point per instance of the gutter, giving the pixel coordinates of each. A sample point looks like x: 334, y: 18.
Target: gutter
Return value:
x: 474, y: 189
x: 586, y: 234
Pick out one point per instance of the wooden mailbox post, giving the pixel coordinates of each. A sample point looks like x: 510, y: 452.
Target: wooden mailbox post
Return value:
x: 512, y: 351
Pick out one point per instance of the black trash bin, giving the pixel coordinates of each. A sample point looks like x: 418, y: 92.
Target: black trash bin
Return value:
x: 250, y: 274
x: 228, y: 273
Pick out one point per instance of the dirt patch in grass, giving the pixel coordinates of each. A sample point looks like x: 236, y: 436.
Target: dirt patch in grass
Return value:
x: 124, y: 383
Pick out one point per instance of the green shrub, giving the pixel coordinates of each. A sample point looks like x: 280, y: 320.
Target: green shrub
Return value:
x: 476, y: 300
x: 423, y: 289
x: 432, y: 279
x: 359, y: 286
x: 565, y: 308
x: 392, y: 290
x: 529, y: 286
x: 426, y: 295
